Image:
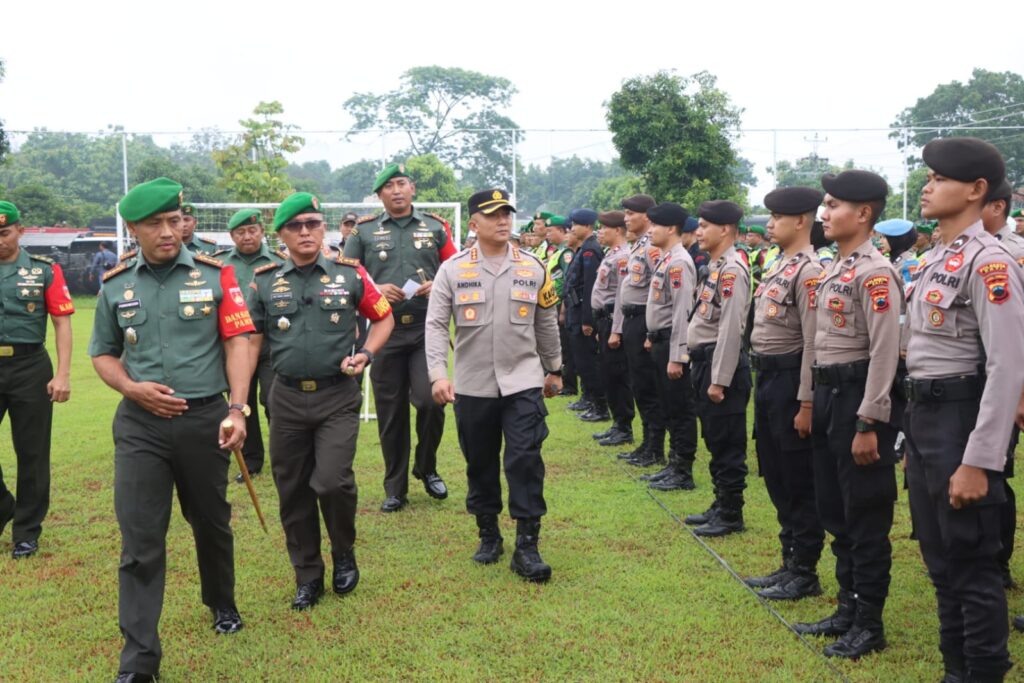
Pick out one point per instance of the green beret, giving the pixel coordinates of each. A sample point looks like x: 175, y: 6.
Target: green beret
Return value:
x: 9, y: 214
x: 555, y: 222
x: 526, y: 228
x: 1017, y: 213
x: 188, y: 209
x: 741, y: 229
x: 759, y: 229
x: 390, y: 171
x: 244, y: 217
x: 146, y: 199
x: 542, y: 215
x: 927, y: 227
x: 295, y: 204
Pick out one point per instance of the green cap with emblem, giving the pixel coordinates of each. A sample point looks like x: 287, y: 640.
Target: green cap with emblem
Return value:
x: 542, y: 215
x: 390, y: 171
x: 145, y: 199
x: 188, y: 209
x: 555, y: 221
x: 244, y: 217
x: 293, y: 205
x: 1017, y: 213
x: 757, y: 229
x: 9, y: 214
x: 927, y: 227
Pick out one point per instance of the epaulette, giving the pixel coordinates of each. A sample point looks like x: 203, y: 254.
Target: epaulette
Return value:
x: 219, y: 252
x: 207, y: 240
x: 44, y: 259
x: 208, y: 260
x: 119, y: 268
x: 346, y: 261
x: 281, y: 255
x: 129, y: 254
x: 266, y: 267
x: 437, y: 217
x: 366, y: 219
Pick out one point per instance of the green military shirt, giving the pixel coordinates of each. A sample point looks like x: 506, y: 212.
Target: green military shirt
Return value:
x: 308, y: 315
x: 169, y: 321
x: 245, y: 264
x: 395, y: 250
x: 557, y: 266
x: 30, y: 288
x: 201, y: 245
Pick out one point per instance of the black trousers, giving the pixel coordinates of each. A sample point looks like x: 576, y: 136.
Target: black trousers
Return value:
x: 786, y: 463
x: 618, y: 389
x: 584, y: 353
x: 23, y: 381
x: 262, y: 379
x: 153, y: 456
x: 399, y: 375
x: 1009, y: 508
x: 855, y: 502
x: 681, y: 413
x: 642, y: 375
x: 569, y: 376
x: 482, y: 424
x: 959, y: 546
x: 724, y: 428
x: 312, y: 446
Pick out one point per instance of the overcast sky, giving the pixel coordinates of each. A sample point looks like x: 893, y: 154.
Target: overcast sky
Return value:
x: 189, y: 65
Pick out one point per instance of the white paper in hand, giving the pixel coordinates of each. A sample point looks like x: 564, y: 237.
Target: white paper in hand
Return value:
x: 410, y: 287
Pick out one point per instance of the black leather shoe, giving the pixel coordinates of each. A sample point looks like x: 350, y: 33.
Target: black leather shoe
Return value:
x: 836, y: 624
x: 346, y: 573
x: 780, y: 575
x: 605, y: 434
x: 131, y: 677
x: 660, y: 474
x: 580, y: 406
x: 702, y: 517
x: 857, y: 642
x: 239, y: 479
x: 435, y: 487
x: 646, y: 459
x: 801, y: 584
x: 617, y: 439
x: 393, y: 504
x: 726, y: 521
x: 7, y: 514
x: 491, y: 547
x: 526, y: 560
x: 567, y: 391
x: 227, y: 620
x: 1018, y: 623
x: 635, y: 453
x: 25, y: 549
x: 595, y: 415
x: 308, y: 594
x: 676, y: 481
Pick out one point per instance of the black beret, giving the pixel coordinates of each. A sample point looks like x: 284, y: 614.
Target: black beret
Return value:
x: 856, y: 186
x: 965, y: 159
x: 612, y: 219
x: 793, y: 201
x: 668, y: 214
x: 1001, y: 191
x: 638, y: 202
x: 721, y: 212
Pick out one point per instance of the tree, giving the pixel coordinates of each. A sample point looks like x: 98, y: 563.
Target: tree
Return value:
x: 567, y: 183
x: 805, y: 171
x: 610, y: 192
x: 989, y: 98
x: 5, y: 145
x: 678, y: 134
x: 254, y: 167
x: 199, y: 182
x: 434, y: 106
x: 435, y: 182
x: 40, y: 205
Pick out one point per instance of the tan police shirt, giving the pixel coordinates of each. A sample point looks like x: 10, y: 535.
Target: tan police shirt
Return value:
x: 965, y: 310
x: 506, y: 323
x: 784, y: 312
x: 722, y: 301
x: 1013, y: 242
x: 635, y: 283
x: 670, y: 299
x: 609, y: 273
x: 858, y: 318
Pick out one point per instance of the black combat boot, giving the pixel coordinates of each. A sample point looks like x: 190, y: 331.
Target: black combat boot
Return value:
x: 664, y: 471
x: 867, y: 634
x: 491, y: 547
x: 954, y: 668
x: 780, y: 575
x: 836, y: 624
x: 728, y: 519
x: 526, y: 560
x: 802, y: 582
x: 655, y: 450
x: 704, y: 517
x: 679, y: 478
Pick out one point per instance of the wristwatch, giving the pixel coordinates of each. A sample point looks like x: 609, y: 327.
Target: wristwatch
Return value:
x: 242, y: 408
x: 366, y: 352
x: 863, y: 426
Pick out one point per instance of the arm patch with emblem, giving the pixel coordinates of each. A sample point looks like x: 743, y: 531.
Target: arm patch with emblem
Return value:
x: 547, y: 297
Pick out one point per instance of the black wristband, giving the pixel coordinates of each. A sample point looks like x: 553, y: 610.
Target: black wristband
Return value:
x: 556, y: 373
x: 366, y: 352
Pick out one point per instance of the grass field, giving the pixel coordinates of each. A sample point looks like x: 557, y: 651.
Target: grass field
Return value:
x: 634, y: 596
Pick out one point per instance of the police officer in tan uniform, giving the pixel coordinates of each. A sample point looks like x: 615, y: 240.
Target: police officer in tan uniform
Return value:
x: 669, y: 302
x: 506, y: 351
x: 612, y: 361
x: 856, y: 349
x: 782, y: 344
x: 966, y: 364
x: 629, y: 328
x: 720, y: 370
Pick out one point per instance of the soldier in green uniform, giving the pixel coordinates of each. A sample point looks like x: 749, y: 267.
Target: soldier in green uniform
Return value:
x: 249, y: 253
x: 170, y: 336
x: 189, y: 240
x: 557, y: 261
x: 397, y: 246
x: 31, y: 287
x: 306, y: 309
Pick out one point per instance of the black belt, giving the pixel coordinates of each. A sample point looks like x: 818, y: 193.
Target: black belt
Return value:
x: 633, y: 310
x: 602, y: 313
x: 703, y: 353
x: 196, y: 402
x: 313, y: 383
x: 660, y: 335
x: 11, y: 350
x: 786, y: 361
x: 841, y: 373
x: 410, y: 318
x: 967, y: 388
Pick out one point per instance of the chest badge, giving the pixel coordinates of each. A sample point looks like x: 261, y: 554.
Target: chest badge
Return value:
x: 335, y: 317
x: 207, y: 310
x: 129, y: 294
x: 31, y: 307
x: 325, y: 279
x: 195, y: 273
x: 382, y: 255
x: 189, y: 311
x: 936, y: 317
x: 283, y: 323
x: 131, y: 336
x: 772, y: 310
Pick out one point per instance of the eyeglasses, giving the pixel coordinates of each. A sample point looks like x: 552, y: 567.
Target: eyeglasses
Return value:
x: 297, y: 226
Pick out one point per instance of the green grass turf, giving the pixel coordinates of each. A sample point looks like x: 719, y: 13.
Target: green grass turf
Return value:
x: 633, y: 596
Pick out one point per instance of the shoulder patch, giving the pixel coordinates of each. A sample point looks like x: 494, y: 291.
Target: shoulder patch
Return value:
x: 219, y: 252
x: 119, y: 268
x: 280, y: 254
x: 346, y: 261
x: 208, y: 260
x: 129, y: 254
x: 44, y: 259
x: 207, y: 240
x: 266, y: 267
x: 366, y: 219
x: 437, y: 217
